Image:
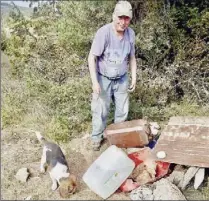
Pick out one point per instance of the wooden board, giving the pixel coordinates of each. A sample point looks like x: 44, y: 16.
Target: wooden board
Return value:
x: 187, y: 120
x: 185, y: 144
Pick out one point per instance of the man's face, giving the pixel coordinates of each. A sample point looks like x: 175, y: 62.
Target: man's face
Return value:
x: 121, y: 22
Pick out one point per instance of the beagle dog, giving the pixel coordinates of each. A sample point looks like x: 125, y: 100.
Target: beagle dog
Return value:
x: 54, y: 161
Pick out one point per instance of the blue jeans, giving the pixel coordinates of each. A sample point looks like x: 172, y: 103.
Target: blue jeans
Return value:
x: 115, y: 90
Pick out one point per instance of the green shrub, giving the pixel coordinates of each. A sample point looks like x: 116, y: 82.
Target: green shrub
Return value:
x: 14, y: 103
x: 80, y: 22
x: 48, y: 53
x: 58, y: 129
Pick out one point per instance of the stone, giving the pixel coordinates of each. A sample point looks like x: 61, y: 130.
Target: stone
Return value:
x: 160, y: 190
x: 199, y: 178
x: 165, y: 190
x: 145, y: 172
x: 22, y: 174
x: 142, y: 193
x: 177, y: 175
x: 190, y: 173
x: 155, y: 128
x: 28, y: 198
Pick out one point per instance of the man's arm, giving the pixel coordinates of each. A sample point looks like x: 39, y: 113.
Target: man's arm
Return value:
x: 133, y: 73
x: 92, y: 68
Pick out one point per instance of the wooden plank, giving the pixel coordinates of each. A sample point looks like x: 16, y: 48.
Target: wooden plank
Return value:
x: 185, y: 144
x: 187, y: 120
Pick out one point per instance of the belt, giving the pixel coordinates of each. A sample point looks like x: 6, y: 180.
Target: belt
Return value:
x: 112, y: 78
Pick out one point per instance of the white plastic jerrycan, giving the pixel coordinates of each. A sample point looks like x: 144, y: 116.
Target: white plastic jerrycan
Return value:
x: 108, y: 171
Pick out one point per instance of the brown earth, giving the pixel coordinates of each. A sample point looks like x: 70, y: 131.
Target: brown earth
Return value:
x: 20, y: 148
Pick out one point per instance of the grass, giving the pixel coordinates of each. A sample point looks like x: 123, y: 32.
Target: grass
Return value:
x: 19, y: 108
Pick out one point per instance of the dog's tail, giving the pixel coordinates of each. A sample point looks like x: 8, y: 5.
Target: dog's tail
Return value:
x: 40, y: 137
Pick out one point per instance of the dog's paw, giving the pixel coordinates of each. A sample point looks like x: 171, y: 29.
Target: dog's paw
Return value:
x: 54, y: 186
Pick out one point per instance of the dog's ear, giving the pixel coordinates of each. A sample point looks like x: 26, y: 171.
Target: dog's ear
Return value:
x: 68, y: 186
x: 63, y: 191
x: 73, y: 179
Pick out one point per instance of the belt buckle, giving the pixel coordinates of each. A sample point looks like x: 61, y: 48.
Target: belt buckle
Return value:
x: 114, y: 78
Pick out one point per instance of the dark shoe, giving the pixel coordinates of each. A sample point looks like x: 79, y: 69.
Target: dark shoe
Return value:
x: 96, y: 146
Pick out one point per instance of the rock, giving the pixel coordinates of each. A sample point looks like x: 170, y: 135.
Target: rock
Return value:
x: 190, y: 173
x: 28, y: 198
x: 161, y: 154
x: 160, y: 190
x: 142, y: 193
x: 165, y: 190
x: 144, y: 177
x: 154, y: 127
x: 177, y: 175
x: 22, y: 174
x: 199, y: 177
x: 144, y: 172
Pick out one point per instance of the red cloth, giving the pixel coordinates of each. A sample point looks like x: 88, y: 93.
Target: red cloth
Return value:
x: 138, y: 157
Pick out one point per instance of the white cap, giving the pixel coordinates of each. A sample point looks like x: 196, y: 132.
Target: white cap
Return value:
x: 123, y: 8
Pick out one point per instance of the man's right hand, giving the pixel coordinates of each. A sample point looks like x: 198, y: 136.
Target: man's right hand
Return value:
x: 96, y: 88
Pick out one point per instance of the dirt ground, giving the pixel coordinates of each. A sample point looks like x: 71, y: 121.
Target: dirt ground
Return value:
x: 20, y: 148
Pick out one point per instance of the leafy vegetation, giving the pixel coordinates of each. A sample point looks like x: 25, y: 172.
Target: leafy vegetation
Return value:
x: 48, y: 54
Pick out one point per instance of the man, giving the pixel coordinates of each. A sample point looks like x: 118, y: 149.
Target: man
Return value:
x: 113, y: 48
